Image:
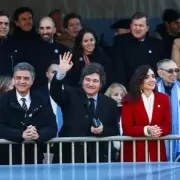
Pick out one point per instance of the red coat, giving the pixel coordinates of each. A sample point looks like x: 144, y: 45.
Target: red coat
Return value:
x: 135, y: 118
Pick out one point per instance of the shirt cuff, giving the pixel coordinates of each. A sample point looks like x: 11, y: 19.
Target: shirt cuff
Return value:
x: 60, y: 75
x: 146, y: 133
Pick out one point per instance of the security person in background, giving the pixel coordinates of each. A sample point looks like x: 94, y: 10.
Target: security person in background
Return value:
x: 121, y: 26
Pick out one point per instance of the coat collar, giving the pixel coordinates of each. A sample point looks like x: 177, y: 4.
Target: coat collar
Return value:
x: 157, y: 102
x: 84, y: 99
x: 35, y: 101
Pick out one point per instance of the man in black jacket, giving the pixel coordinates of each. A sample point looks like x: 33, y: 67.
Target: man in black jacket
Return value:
x: 10, y: 55
x: 86, y: 112
x: 25, y: 116
x: 135, y: 49
x: 46, y: 51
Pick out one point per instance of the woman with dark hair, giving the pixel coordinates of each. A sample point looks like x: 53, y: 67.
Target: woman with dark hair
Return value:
x: 145, y: 113
x: 87, y: 50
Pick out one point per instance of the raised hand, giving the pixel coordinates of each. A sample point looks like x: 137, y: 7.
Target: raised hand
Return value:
x: 65, y: 63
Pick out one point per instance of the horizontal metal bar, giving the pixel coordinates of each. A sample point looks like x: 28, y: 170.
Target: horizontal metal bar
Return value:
x: 94, y: 139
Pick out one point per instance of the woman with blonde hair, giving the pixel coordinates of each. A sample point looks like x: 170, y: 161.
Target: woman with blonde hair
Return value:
x: 117, y: 92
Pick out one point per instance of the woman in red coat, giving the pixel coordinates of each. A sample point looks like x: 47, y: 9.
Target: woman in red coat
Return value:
x: 145, y: 112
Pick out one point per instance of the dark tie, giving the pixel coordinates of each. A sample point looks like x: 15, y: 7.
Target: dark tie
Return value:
x: 168, y: 89
x: 24, y: 106
x: 91, y: 108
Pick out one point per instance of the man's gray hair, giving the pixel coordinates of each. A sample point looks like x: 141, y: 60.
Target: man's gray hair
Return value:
x: 23, y: 66
x: 159, y: 64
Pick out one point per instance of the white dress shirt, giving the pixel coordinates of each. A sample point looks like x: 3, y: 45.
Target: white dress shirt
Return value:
x: 149, y: 105
x: 27, y: 97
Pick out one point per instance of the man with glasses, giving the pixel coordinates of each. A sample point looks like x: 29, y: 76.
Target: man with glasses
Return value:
x: 167, y: 83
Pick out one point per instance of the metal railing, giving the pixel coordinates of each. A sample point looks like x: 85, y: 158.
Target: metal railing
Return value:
x: 85, y: 140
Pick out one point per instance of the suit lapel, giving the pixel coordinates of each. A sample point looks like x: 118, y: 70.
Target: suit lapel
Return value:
x: 35, y: 104
x: 14, y: 102
x: 83, y: 98
x: 143, y: 111
x: 98, y: 106
x: 155, y: 108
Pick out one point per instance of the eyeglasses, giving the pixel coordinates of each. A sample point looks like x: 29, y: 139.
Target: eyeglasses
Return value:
x: 171, y: 71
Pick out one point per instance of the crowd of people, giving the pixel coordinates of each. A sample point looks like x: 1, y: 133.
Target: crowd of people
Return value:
x: 59, y: 80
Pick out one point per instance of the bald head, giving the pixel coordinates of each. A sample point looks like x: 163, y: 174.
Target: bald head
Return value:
x: 47, y: 29
x: 47, y: 20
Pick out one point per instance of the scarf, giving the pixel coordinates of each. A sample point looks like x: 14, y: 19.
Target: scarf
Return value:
x: 175, y: 114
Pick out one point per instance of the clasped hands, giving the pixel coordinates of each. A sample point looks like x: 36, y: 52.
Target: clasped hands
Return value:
x: 97, y: 130
x: 154, y: 131
x: 30, y: 133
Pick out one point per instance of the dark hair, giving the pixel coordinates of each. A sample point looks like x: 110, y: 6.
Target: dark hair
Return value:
x: 92, y: 68
x: 55, y: 11
x: 78, y: 50
x: 170, y: 15
x: 70, y: 16
x: 139, y: 15
x: 136, y: 82
x: 3, y: 13
x: 21, y: 10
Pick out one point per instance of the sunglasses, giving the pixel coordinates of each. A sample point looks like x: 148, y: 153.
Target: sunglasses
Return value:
x: 171, y: 71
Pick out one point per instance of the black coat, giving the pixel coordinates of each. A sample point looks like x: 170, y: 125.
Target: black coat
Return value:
x: 13, y: 121
x: 25, y: 41
x: 99, y: 56
x: 130, y: 53
x: 42, y: 56
x: 167, y: 39
x: 10, y: 55
x: 76, y: 123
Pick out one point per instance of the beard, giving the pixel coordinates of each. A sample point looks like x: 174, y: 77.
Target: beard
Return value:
x: 47, y: 37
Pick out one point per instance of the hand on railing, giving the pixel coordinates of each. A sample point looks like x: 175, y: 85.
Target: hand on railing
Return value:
x: 30, y: 133
x: 155, y: 131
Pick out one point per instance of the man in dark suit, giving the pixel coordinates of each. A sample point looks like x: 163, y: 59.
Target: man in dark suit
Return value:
x: 86, y: 112
x: 10, y: 55
x: 135, y: 49
x: 46, y: 51
x: 25, y: 116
